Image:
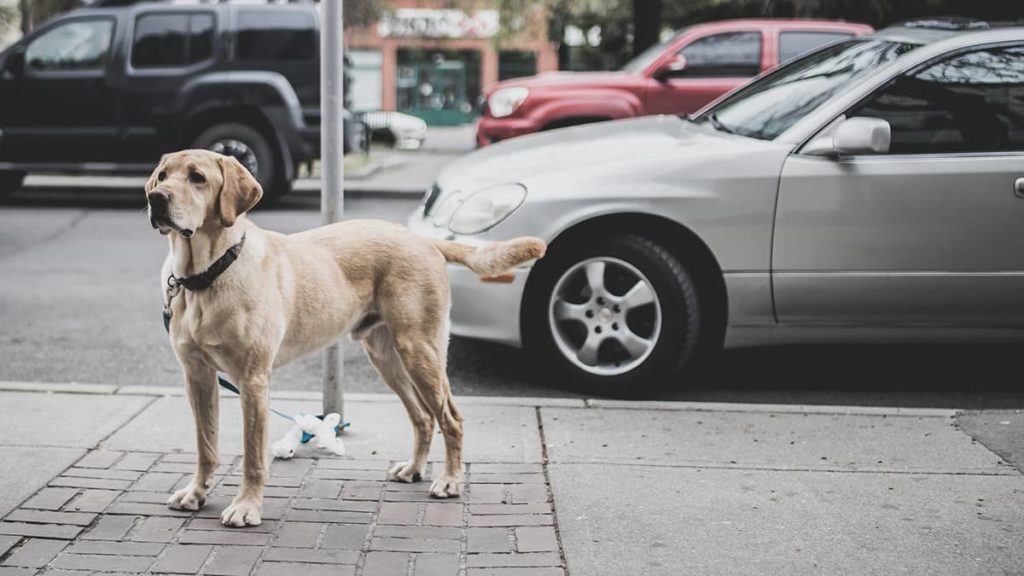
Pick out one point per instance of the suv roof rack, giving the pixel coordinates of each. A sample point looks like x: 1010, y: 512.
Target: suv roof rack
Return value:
x: 952, y: 23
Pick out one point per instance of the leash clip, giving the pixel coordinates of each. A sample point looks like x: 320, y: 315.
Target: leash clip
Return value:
x: 173, y: 289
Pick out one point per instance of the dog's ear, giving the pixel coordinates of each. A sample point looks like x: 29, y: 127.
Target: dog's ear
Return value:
x: 239, y: 193
x: 153, y: 181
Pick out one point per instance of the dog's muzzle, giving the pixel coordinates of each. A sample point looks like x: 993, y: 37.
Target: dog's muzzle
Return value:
x: 159, y: 201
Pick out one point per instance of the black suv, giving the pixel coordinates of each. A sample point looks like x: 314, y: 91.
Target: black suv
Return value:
x: 111, y: 89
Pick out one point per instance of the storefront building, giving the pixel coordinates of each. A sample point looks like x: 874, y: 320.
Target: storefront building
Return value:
x: 435, y: 62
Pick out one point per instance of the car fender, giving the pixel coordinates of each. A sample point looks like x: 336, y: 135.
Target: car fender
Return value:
x: 269, y: 91
x: 598, y: 103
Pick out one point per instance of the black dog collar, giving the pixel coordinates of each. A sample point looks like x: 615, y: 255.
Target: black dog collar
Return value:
x: 204, y: 279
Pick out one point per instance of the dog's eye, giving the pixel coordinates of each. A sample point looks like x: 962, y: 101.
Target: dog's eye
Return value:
x: 161, y: 176
x: 196, y: 178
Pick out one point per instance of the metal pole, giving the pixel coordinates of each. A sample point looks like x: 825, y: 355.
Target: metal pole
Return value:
x: 332, y: 167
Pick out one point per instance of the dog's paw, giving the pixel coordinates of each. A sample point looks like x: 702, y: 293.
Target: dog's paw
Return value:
x: 446, y: 487
x: 241, y: 513
x: 405, y: 472
x: 189, y: 498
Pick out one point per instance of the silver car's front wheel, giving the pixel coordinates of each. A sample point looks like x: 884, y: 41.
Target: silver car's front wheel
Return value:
x: 605, y: 316
x: 618, y: 315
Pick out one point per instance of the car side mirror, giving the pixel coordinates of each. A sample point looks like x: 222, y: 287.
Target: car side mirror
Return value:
x: 674, y: 67
x: 15, y: 65
x: 853, y: 136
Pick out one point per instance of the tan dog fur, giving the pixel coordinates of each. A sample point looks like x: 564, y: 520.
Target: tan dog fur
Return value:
x: 288, y: 295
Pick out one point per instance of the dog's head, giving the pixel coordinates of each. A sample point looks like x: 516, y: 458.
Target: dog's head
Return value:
x: 195, y: 188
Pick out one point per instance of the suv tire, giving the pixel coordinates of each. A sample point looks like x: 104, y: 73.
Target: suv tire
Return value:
x: 252, y: 149
x: 10, y: 181
x: 661, y: 323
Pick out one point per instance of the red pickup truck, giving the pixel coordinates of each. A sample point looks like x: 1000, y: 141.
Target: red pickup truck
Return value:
x: 679, y: 76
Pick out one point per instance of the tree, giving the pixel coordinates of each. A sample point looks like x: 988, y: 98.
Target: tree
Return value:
x: 646, y: 24
x: 35, y: 12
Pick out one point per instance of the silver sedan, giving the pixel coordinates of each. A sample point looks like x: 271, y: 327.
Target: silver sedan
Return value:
x: 873, y: 189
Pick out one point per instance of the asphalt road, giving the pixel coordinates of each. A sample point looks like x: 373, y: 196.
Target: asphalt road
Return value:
x: 80, y: 301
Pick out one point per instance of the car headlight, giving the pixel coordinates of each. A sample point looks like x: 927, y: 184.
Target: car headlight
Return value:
x: 504, y: 101
x: 485, y: 209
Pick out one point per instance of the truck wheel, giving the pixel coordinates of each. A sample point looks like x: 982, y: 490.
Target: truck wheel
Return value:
x: 10, y: 181
x: 250, y: 148
x: 620, y: 317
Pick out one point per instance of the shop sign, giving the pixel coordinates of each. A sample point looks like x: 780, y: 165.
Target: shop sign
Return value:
x: 430, y: 23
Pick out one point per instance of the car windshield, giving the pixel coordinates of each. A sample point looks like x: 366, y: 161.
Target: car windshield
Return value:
x: 767, y: 107
x: 645, y: 58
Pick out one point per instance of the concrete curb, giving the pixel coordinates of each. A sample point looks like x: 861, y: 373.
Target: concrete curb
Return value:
x: 79, y: 388
x: 773, y: 408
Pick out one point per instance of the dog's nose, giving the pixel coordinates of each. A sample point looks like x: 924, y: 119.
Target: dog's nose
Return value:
x: 158, y: 196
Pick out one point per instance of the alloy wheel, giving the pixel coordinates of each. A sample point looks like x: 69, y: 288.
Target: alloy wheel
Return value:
x: 605, y: 316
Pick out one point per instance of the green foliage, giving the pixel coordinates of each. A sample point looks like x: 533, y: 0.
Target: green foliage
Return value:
x: 614, y: 17
x: 35, y: 12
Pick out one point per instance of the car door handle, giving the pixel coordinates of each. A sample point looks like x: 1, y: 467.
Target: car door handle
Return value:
x: 1018, y: 188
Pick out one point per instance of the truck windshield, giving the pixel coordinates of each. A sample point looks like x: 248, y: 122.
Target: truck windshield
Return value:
x: 768, y: 106
x: 645, y: 58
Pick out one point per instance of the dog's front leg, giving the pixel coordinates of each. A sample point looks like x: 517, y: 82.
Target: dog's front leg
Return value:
x: 201, y: 385
x: 247, y: 507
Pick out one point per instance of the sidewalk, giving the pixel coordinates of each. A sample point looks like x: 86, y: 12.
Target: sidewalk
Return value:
x: 553, y: 487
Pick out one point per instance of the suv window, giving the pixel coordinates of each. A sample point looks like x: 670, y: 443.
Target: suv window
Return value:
x: 76, y: 45
x: 730, y: 54
x: 793, y: 44
x: 275, y: 35
x: 972, y: 102
x: 172, y: 40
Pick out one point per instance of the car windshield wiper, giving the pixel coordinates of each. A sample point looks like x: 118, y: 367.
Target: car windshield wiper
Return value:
x: 713, y: 118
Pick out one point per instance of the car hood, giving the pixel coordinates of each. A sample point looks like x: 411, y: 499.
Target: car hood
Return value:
x: 635, y: 145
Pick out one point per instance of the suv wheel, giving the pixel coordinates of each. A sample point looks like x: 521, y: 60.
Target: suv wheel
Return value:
x: 10, y: 181
x: 619, y: 317
x: 251, y: 149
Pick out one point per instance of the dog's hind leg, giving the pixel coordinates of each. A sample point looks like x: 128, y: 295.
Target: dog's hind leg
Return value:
x: 201, y: 385
x: 380, y: 347
x: 422, y: 358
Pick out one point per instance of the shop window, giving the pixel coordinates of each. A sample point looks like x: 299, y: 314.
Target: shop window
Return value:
x: 366, y: 79
x: 440, y: 86
x: 516, y: 64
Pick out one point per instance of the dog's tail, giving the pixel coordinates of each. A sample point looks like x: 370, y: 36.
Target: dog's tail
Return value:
x: 493, y: 258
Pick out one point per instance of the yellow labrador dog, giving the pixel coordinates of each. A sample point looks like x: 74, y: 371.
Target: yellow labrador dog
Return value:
x: 244, y: 300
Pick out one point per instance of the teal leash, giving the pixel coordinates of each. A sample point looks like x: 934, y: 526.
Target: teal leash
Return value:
x: 227, y: 385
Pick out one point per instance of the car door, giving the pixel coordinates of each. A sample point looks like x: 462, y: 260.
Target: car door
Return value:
x: 60, y: 106
x: 712, y: 65
x: 169, y: 48
x: 929, y: 233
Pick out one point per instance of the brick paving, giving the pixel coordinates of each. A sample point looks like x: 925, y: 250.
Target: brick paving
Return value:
x: 106, y: 514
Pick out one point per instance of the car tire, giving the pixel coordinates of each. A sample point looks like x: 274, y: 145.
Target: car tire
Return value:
x: 644, y: 339
x: 253, y: 150
x: 10, y: 181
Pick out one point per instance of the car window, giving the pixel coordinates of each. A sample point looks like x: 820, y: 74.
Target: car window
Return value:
x: 730, y: 54
x: 972, y: 102
x: 76, y: 45
x: 172, y: 40
x: 793, y: 44
x: 770, y: 105
x: 275, y: 36
x: 640, y: 63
